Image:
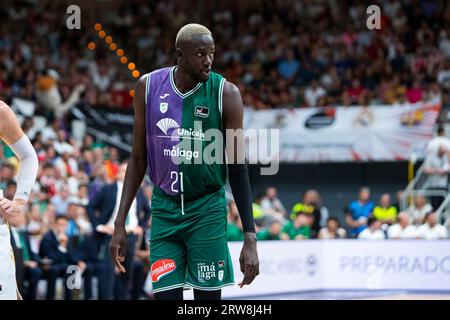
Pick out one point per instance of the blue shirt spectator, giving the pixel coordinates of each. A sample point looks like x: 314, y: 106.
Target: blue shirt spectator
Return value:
x: 358, y: 211
x: 289, y: 66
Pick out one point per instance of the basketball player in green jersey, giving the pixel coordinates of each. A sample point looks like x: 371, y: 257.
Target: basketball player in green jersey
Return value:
x: 189, y: 216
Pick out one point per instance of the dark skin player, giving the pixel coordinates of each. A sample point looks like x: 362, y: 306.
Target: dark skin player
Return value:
x: 194, y: 61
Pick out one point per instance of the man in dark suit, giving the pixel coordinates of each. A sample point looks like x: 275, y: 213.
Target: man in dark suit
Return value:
x: 102, y: 211
x: 28, y: 269
x: 58, y: 253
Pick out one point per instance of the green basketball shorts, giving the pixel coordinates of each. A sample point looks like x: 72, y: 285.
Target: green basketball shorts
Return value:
x: 190, y: 249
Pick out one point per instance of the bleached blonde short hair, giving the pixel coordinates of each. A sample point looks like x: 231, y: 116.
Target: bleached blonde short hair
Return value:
x: 189, y: 30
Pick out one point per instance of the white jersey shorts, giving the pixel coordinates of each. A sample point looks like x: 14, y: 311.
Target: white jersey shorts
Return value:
x: 8, y: 284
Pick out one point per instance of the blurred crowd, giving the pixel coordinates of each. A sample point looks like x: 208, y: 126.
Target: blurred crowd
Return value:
x: 280, y: 53
x: 364, y: 219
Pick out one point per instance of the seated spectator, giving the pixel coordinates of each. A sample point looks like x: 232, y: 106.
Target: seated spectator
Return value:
x: 414, y: 94
x: 270, y: 233
x: 29, y: 273
x: 313, y: 94
x: 431, y: 229
x: 332, y: 230
x: 385, y: 212
x: 419, y: 209
x: 61, y: 200
x: 57, y: 250
x: 373, y: 231
x: 402, y: 229
x: 312, y: 204
x: 358, y: 211
x: 259, y: 215
x: 273, y: 206
x: 298, y: 229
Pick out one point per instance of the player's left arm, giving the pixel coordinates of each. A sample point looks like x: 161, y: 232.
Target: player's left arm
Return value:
x: 12, y: 134
x: 232, y: 117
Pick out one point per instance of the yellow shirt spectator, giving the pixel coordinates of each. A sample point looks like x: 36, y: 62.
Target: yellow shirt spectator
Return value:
x: 383, y: 214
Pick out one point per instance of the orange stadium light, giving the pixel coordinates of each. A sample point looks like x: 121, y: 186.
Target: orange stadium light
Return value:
x: 119, y: 52
x: 131, y: 66
x: 132, y: 93
x: 108, y: 39
x: 98, y: 27
x: 113, y: 46
x: 123, y: 60
x: 135, y: 73
x: 91, y: 45
x: 102, y: 34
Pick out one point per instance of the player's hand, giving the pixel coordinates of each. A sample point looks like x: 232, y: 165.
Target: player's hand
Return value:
x: 11, y: 210
x: 118, y: 247
x: 249, y: 259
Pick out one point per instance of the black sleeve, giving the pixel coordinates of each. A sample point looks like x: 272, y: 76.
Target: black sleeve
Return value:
x: 240, y: 187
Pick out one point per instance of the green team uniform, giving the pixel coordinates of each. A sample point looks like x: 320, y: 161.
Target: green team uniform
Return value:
x: 188, y: 243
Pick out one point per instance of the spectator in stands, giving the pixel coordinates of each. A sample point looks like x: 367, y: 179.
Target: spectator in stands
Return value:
x: 441, y: 138
x: 29, y: 272
x: 58, y: 249
x: 141, y: 263
x: 273, y: 207
x: 289, y: 66
x: 61, y: 200
x: 313, y: 93
x: 102, y: 211
x: 312, y: 205
x: 373, y: 231
x: 418, y: 210
x: 298, y: 229
x: 415, y: 93
x: 259, y: 214
x: 436, y: 167
x: 272, y: 232
x: 332, y: 230
x: 402, y: 229
x: 431, y: 229
x: 385, y: 212
x: 358, y: 211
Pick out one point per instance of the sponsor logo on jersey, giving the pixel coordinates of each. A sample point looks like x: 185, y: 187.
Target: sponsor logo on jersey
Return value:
x: 220, y: 275
x: 205, y: 272
x: 201, y: 111
x: 166, y: 124
x: 163, y: 107
x: 221, y: 264
x: 165, y: 95
x: 177, y: 152
x: 162, y: 268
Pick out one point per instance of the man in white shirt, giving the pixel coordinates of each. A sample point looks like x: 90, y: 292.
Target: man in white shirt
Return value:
x: 373, y: 231
x: 273, y: 206
x: 419, y: 209
x: 313, y: 93
x: 440, y: 139
x: 431, y: 230
x: 436, y: 167
x: 402, y: 229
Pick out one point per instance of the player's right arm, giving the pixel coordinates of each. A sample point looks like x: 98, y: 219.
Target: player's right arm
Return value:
x: 137, y: 165
x: 11, y: 133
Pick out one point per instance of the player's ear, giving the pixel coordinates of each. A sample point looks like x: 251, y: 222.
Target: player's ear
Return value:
x: 178, y: 53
